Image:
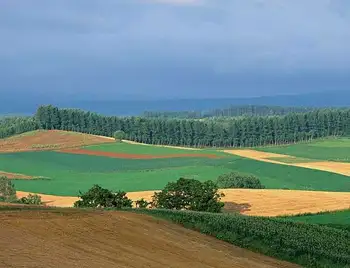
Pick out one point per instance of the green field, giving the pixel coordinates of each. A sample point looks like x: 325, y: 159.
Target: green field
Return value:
x: 66, y: 174
x: 334, y: 217
x: 327, y: 149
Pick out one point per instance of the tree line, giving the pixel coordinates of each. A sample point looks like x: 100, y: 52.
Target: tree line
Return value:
x: 10, y: 126
x: 236, y: 132
x: 232, y: 111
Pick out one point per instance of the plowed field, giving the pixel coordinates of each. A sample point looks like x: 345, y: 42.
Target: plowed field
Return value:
x: 249, y: 202
x: 335, y: 167
x: 73, y: 238
x: 49, y: 140
x: 133, y: 156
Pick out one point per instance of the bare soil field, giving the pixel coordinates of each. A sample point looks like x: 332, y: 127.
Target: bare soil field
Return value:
x: 49, y: 140
x: 75, y: 238
x: 247, y: 201
x: 335, y: 167
x: 10, y: 175
x: 133, y: 156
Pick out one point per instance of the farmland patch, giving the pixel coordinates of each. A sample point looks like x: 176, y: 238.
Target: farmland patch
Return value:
x: 49, y: 140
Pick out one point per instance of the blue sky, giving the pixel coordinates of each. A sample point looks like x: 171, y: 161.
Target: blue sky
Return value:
x: 174, y: 48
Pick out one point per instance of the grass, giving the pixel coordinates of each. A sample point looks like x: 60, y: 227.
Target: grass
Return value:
x: 120, y: 147
x: 327, y: 149
x: 336, y: 219
x: 292, y: 160
x: 66, y: 174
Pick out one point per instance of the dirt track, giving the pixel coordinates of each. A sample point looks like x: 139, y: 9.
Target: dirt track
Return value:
x: 70, y: 238
x: 49, y: 140
x: 249, y: 202
x: 133, y: 156
x: 335, y: 167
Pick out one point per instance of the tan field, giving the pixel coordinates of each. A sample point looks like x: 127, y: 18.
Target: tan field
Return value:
x: 249, y: 202
x: 49, y: 140
x: 335, y: 167
x: 10, y: 175
x: 77, y: 238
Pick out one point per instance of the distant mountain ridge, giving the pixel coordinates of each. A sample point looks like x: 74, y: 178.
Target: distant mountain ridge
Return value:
x: 27, y: 103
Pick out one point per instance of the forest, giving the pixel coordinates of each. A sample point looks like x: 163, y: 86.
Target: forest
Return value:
x: 244, y: 131
x: 231, y: 111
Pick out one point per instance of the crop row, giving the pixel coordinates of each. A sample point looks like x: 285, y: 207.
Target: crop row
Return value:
x: 309, y: 245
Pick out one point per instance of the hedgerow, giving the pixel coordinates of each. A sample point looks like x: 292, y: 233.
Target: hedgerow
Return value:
x: 309, y: 245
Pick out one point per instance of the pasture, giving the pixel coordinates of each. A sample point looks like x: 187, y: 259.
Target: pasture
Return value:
x: 66, y: 174
x: 327, y: 149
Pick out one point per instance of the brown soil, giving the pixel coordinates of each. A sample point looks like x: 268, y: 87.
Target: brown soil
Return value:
x: 75, y: 238
x: 247, y: 201
x: 49, y: 140
x: 14, y: 175
x: 335, y: 167
x: 132, y: 156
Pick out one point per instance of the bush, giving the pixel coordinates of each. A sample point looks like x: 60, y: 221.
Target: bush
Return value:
x: 119, y: 135
x: 238, y: 180
x: 7, y: 190
x: 189, y: 194
x: 142, y: 203
x: 31, y: 199
x: 100, y: 197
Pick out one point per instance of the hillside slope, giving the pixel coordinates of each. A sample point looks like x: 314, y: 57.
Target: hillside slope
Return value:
x: 74, y: 238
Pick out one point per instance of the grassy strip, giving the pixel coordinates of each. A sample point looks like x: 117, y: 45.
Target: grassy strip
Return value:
x: 309, y: 245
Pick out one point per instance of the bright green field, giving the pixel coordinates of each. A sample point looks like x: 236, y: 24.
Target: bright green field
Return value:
x: 329, y: 149
x: 336, y: 217
x: 68, y: 173
x: 145, y: 149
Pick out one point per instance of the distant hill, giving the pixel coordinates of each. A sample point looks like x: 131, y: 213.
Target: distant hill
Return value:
x: 28, y: 103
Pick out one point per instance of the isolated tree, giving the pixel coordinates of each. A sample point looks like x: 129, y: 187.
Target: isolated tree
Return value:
x: 142, y: 203
x: 119, y: 135
x: 7, y: 190
x: 31, y: 199
x: 189, y: 194
x: 101, y: 197
x: 239, y: 180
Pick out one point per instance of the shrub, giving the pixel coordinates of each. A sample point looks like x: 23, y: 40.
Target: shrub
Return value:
x: 238, y: 180
x: 31, y: 199
x: 7, y: 190
x: 119, y: 135
x: 100, y: 197
x: 142, y: 203
x: 189, y: 194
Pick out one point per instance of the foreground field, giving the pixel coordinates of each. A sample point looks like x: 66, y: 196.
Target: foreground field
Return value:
x: 72, y: 238
x: 335, y: 167
x: 49, y: 140
x: 247, y: 202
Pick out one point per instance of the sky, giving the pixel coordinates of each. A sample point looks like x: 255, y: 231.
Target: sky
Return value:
x: 115, y: 49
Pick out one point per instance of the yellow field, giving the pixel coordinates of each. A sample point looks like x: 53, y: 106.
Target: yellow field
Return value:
x: 335, y: 167
x: 249, y: 202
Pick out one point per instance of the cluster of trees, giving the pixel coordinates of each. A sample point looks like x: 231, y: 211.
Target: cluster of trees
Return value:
x: 232, y: 111
x: 236, y: 132
x: 239, y: 180
x: 10, y: 126
x: 188, y: 194
x: 8, y: 194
